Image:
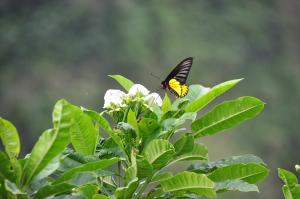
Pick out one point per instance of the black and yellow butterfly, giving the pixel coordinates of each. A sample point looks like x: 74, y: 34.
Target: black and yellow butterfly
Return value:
x: 176, y: 80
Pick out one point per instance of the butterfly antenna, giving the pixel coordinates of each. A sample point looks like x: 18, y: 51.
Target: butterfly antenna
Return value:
x: 155, y: 76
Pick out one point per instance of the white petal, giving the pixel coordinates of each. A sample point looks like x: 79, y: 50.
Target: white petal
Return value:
x: 154, y: 98
x: 113, y: 97
x: 138, y: 88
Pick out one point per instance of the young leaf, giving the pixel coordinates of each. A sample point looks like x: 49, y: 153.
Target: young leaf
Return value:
x: 248, y: 172
x: 209, y: 96
x: 235, y: 185
x: 84, y: 135
x: 10, y: 138
x: 91, y: 166
x: 227, y: 115
x: 51, y: 143
x: 191, y: 182
x: 158, y: 152
x: 124, y: 82
x: 166, y: 104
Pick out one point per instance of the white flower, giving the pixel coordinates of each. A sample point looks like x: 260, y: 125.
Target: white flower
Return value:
x: 154, y: 98
x: 138, y: 88
x: 113, y: 97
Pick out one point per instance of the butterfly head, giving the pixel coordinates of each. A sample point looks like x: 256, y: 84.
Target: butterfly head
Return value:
x: 163, y: 84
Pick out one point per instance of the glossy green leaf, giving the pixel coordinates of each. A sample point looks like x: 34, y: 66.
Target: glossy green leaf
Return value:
x: 84, y: 134
x: 190, y: 182
x: 10, y: 138
x: 166, y: 104
x: 51, y: 143
x: 124, y: 82
x: 235, y: 185
x: 209, y: 96
x: 206, y: 167
x: 158, y: 152
x: 14, y: 191
x: 51, y: 190
x: 91, y: 166
x: 248, y: 172
x: 227, y: 115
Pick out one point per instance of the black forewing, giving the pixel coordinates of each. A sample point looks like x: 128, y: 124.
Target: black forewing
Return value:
x: 181, y: 71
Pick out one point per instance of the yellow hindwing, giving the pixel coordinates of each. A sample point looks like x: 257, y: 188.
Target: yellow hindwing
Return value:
x: 178, y: 89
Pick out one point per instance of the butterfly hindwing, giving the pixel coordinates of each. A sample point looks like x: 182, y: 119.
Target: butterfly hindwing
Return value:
x: 176, y: 80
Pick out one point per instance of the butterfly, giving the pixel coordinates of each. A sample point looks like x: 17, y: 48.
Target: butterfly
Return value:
x: 175, y: 81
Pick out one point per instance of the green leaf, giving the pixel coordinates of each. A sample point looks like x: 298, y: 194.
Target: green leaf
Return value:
x: 297, y: 167
x: 287, y: 177
x: 206, y: 167
x: 248, y: 172
x: 199, y: 152
x: 196, y: 91
x: 84, y: 135
x: 14, y: 191
x: 235, y: 185
x: 87, y: 191
x: 131, y: 119
x: 161, y: 177
x: 291, y: 193
x: 166, y: 104
x: 99, y: 196
x: 189, y: 182
x: 209, y: 96
x: 144, y: 168
x: 10, y: 138
x: 124, y: 82
x: 7, y: 170
x: 51, y: 143
x: 49, y: 169
x: 158, y: 152
x: 128, y: 191
x: 104, y: 124
x: 51, y: 190
x: 227, y: 115
x: 149, y: 129
x: 184, y: 145
x: 91, y: 166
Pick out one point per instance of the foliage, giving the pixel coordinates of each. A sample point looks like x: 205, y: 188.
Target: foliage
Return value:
x: 130, y: 157
x: 291, y: 187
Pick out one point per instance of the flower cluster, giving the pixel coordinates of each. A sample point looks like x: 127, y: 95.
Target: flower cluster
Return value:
x: 137, y: 93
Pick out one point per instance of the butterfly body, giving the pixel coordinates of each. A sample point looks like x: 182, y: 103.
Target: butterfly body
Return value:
x: 176, y: 80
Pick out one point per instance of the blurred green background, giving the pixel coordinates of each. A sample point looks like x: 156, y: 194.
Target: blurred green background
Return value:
x: 65, y: 49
